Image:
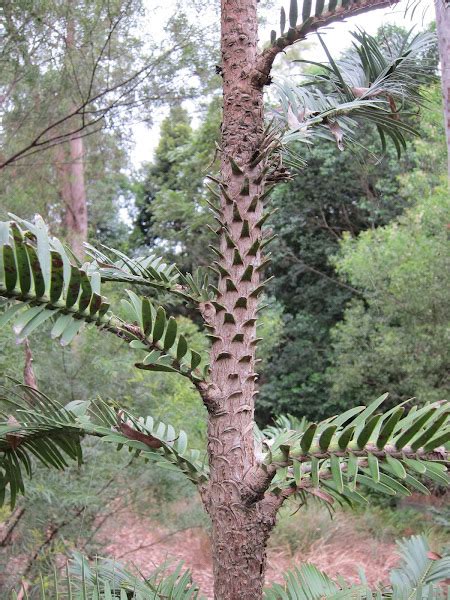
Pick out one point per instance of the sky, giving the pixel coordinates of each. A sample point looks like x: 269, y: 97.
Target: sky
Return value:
x: 336, y: 37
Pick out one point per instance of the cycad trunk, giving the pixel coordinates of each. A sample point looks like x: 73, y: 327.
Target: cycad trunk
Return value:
x: 240, y: 532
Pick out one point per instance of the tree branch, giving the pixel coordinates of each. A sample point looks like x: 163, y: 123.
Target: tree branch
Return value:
x: 264, y: 62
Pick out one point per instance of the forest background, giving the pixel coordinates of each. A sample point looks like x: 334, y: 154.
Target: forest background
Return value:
x: 360, y: 304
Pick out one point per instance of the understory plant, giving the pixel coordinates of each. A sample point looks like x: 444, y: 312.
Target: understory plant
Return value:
x: 243, y: 476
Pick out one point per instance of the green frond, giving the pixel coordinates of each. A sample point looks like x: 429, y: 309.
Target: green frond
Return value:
x: 382, y: 451
x: 104, y: 579
x: 309, y: 583
x: 417, y: 578
x: 40, y: 282
x: 367, y: 85
x: 156, y: 337
x: 36, y: 427
x: 149, y: 271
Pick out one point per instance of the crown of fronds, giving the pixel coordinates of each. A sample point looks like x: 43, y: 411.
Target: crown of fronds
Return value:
x: 369, y: 84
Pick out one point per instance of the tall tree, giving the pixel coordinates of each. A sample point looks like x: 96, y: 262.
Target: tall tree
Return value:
x: 248, y: 477
x: 73, y: 71
x: 171, y: 199
x: 443, y: 31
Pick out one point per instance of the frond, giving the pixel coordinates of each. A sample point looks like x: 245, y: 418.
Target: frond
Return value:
x: 148, y: 271
x: 40, y: 282
x: 104, y: 579
x: 417, y: 578
x: 35, y: 426
x: 38, y: 277
x: 309, y: 583
x: 384, y: 452
x: 367, y: 85
x: 169, y: 350
x: 420, y: 570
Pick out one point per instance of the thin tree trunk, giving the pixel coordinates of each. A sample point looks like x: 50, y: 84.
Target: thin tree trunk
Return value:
x: 70, y: 166
x: 239, y: 532
x: 76, y: 211
x: 443, y: 31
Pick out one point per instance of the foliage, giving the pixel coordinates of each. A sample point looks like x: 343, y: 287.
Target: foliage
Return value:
x: 172, y: 212
x: 398, y: 338
x: 370, y: 83
x: 52, y: 433
x: 45, y: 57
x: 419, y: 576
x: 326, y: 460
x: 37, y: 273
x: 105, y: 579
x: 329, y: 458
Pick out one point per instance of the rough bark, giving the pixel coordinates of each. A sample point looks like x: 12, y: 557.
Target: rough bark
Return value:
x: 239, y: 531
x: 443, y: 31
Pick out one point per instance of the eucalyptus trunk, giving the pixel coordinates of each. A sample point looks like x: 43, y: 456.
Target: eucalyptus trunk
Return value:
x: 69, y: 160
x: 443, y: 31
x: 70, y: 166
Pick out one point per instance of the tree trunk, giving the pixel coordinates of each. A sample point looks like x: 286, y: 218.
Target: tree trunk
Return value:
x: 443, y: 31
x: 240, y: 532
x: 70, y: 166
x: 70, y: 169
x: 76, y: 211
